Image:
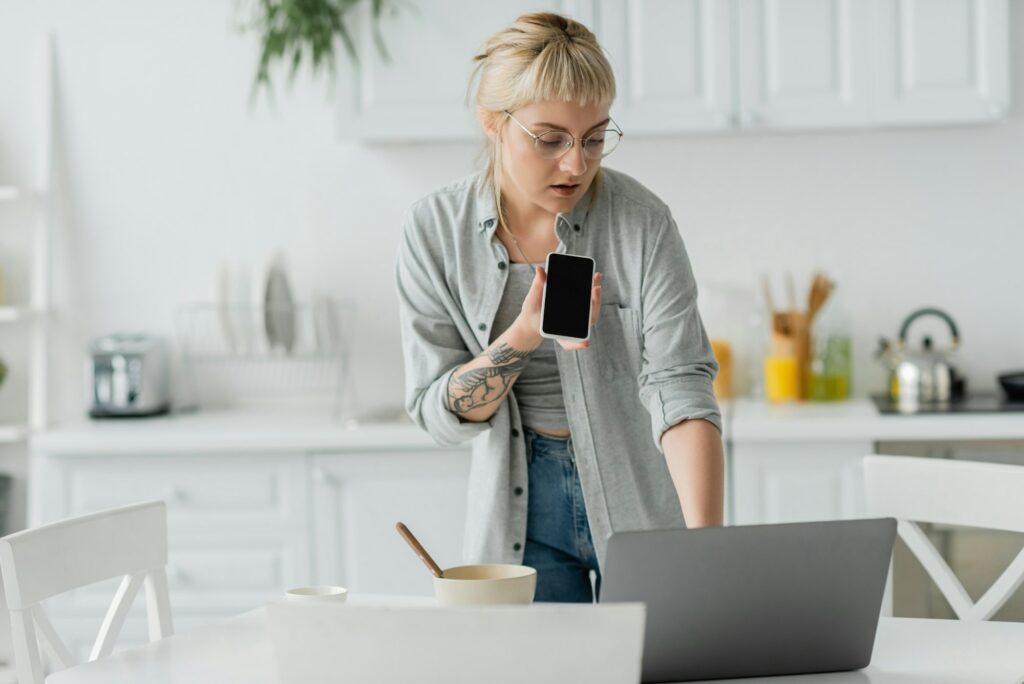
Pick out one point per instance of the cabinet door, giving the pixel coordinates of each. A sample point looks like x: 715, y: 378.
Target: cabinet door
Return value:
x: 940, y: 61
x: 358, y: 498
x: 797, y: 482
x: 421, y: 94
x: 237, y: 533
x: 672, y: 62
x: 802, y: 63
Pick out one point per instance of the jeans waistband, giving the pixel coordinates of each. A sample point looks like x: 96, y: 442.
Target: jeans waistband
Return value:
x: 537, y: 433
x: 557, y: 447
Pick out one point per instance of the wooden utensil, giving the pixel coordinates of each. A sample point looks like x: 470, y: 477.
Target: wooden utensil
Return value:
x: 790, y: 291
x: 779, y: 321
x: 821, y: 287
x: 418, y: 548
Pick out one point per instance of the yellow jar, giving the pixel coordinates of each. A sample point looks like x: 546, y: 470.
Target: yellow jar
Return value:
x: 780, y: 378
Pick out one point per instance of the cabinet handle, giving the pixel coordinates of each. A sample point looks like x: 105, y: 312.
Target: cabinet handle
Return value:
x: 323, y: 477
x: 177, y: 575
x: 177, y: 495
x: 752, y: 117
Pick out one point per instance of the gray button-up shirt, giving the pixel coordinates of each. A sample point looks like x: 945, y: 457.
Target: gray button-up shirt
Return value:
x: 649, y: 365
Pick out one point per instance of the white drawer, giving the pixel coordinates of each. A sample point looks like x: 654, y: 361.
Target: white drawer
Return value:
x: 207, y: 493
x: 221, y: 579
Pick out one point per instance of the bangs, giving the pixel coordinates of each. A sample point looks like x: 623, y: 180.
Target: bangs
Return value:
x: 566, y: 72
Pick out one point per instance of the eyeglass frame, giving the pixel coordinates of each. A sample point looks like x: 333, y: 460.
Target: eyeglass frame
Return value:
x: 573, y: 138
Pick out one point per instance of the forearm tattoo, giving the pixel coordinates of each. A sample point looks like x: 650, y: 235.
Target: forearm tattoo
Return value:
x: 482, y: 386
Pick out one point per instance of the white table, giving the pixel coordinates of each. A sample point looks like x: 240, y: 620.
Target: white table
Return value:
x: 907, y: 651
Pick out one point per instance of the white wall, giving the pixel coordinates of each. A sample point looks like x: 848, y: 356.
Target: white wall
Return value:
x: 166, y: 169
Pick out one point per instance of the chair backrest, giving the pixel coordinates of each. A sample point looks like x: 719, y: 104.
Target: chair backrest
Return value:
x: 967, y: 493
x: 49, y: 560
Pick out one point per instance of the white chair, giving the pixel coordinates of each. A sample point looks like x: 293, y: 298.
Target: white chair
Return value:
x: 967, y: 493
x: 55, y: 558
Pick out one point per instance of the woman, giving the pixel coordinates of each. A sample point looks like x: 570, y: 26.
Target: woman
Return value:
x: 563, y: 454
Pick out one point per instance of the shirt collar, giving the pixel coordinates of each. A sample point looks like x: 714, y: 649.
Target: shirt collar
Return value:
x: 487, y: 214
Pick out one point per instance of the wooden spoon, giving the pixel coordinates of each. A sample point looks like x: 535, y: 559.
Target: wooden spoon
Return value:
x: 418, y: 548
x: 821, y: 287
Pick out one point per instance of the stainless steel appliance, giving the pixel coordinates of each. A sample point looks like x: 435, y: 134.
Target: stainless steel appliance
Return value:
x: 128, y: 376
x: 922, y: 377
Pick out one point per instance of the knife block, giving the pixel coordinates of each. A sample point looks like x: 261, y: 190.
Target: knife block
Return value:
x: 791, y: 336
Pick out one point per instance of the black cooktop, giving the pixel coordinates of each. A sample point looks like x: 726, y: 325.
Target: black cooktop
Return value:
x: 979, y: 402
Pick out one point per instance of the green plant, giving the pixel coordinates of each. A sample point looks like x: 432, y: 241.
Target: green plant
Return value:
x: 293, y: 30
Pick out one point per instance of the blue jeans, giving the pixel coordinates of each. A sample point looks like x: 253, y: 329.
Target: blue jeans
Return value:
x: 558, y: 542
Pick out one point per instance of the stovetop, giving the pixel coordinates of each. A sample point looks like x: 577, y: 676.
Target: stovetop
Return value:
x: 979, y: 402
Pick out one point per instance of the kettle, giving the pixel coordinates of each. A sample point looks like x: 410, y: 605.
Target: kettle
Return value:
x: 924, y: 374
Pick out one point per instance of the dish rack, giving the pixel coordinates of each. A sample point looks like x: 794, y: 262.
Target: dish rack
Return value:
x: 251, y: 354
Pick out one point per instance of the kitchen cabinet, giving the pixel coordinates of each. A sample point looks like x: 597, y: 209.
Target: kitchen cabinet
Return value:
x: 255, y: 504
x: 236, y: 529
x: 243, y: 527
x: 673, y: 63
x: 802, y: 461
x: 687, y: 66
x: 802, y: 63
x: 358, y: 498
x: 940, y: 62
x: 797, y: 482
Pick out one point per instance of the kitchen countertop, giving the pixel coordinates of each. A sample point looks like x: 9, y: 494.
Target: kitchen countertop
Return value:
x: 228, y: 431
x: 751, y: 420
x: 746, y: 420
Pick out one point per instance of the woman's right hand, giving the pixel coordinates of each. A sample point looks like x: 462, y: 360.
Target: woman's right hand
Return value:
x: 529, y: 315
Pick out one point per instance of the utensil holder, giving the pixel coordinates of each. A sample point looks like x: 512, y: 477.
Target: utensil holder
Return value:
x: 791, y: 336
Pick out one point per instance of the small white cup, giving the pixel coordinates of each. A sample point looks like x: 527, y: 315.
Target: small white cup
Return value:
x: 321, y: 593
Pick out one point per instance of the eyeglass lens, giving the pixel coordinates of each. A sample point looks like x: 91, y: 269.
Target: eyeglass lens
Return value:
x: 556, y: 143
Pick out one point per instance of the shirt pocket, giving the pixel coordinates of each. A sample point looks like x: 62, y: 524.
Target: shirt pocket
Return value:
x: 620, y: 342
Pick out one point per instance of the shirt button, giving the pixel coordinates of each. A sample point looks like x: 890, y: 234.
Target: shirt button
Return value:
x: 482, y: 326
x: 517, y: 546
x: 518, y: 491
x: 515, y: 433
x: 576, y: 227
x: 501, y: 265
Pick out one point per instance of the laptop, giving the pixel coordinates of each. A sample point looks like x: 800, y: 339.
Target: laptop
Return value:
x: 754, y: 600
x: 373, y: 644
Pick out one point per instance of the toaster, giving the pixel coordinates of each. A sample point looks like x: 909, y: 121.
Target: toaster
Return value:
x: 128, y: 376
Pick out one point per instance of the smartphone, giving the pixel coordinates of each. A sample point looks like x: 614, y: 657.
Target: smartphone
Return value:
x: 565, y: 306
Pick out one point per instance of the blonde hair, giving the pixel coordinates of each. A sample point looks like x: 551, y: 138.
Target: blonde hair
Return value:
x: 541, y: 56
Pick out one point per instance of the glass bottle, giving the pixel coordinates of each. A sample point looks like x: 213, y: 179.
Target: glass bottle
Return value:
x: 832, y: 357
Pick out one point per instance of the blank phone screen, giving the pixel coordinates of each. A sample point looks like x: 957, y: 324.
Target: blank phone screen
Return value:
x: 567, y: 296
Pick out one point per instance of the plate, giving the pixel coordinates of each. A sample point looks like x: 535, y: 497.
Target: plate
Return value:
x: 279, y: 308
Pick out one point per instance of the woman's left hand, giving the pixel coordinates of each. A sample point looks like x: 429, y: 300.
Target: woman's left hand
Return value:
x: 595, y: 311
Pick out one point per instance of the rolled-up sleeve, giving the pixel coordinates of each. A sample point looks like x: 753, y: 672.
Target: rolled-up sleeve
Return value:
x: 678, y: 362
x: 432, y: 347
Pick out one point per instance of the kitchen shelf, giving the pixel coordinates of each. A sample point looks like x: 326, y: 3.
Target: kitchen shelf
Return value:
x: 10, y: 434
x: 11, y: 314
x: 35, y: 308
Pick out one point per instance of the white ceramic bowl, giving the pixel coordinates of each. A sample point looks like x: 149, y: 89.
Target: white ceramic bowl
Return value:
x: 476, y: 585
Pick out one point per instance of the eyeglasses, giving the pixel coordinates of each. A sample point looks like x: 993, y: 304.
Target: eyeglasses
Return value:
x: 554, y: 144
